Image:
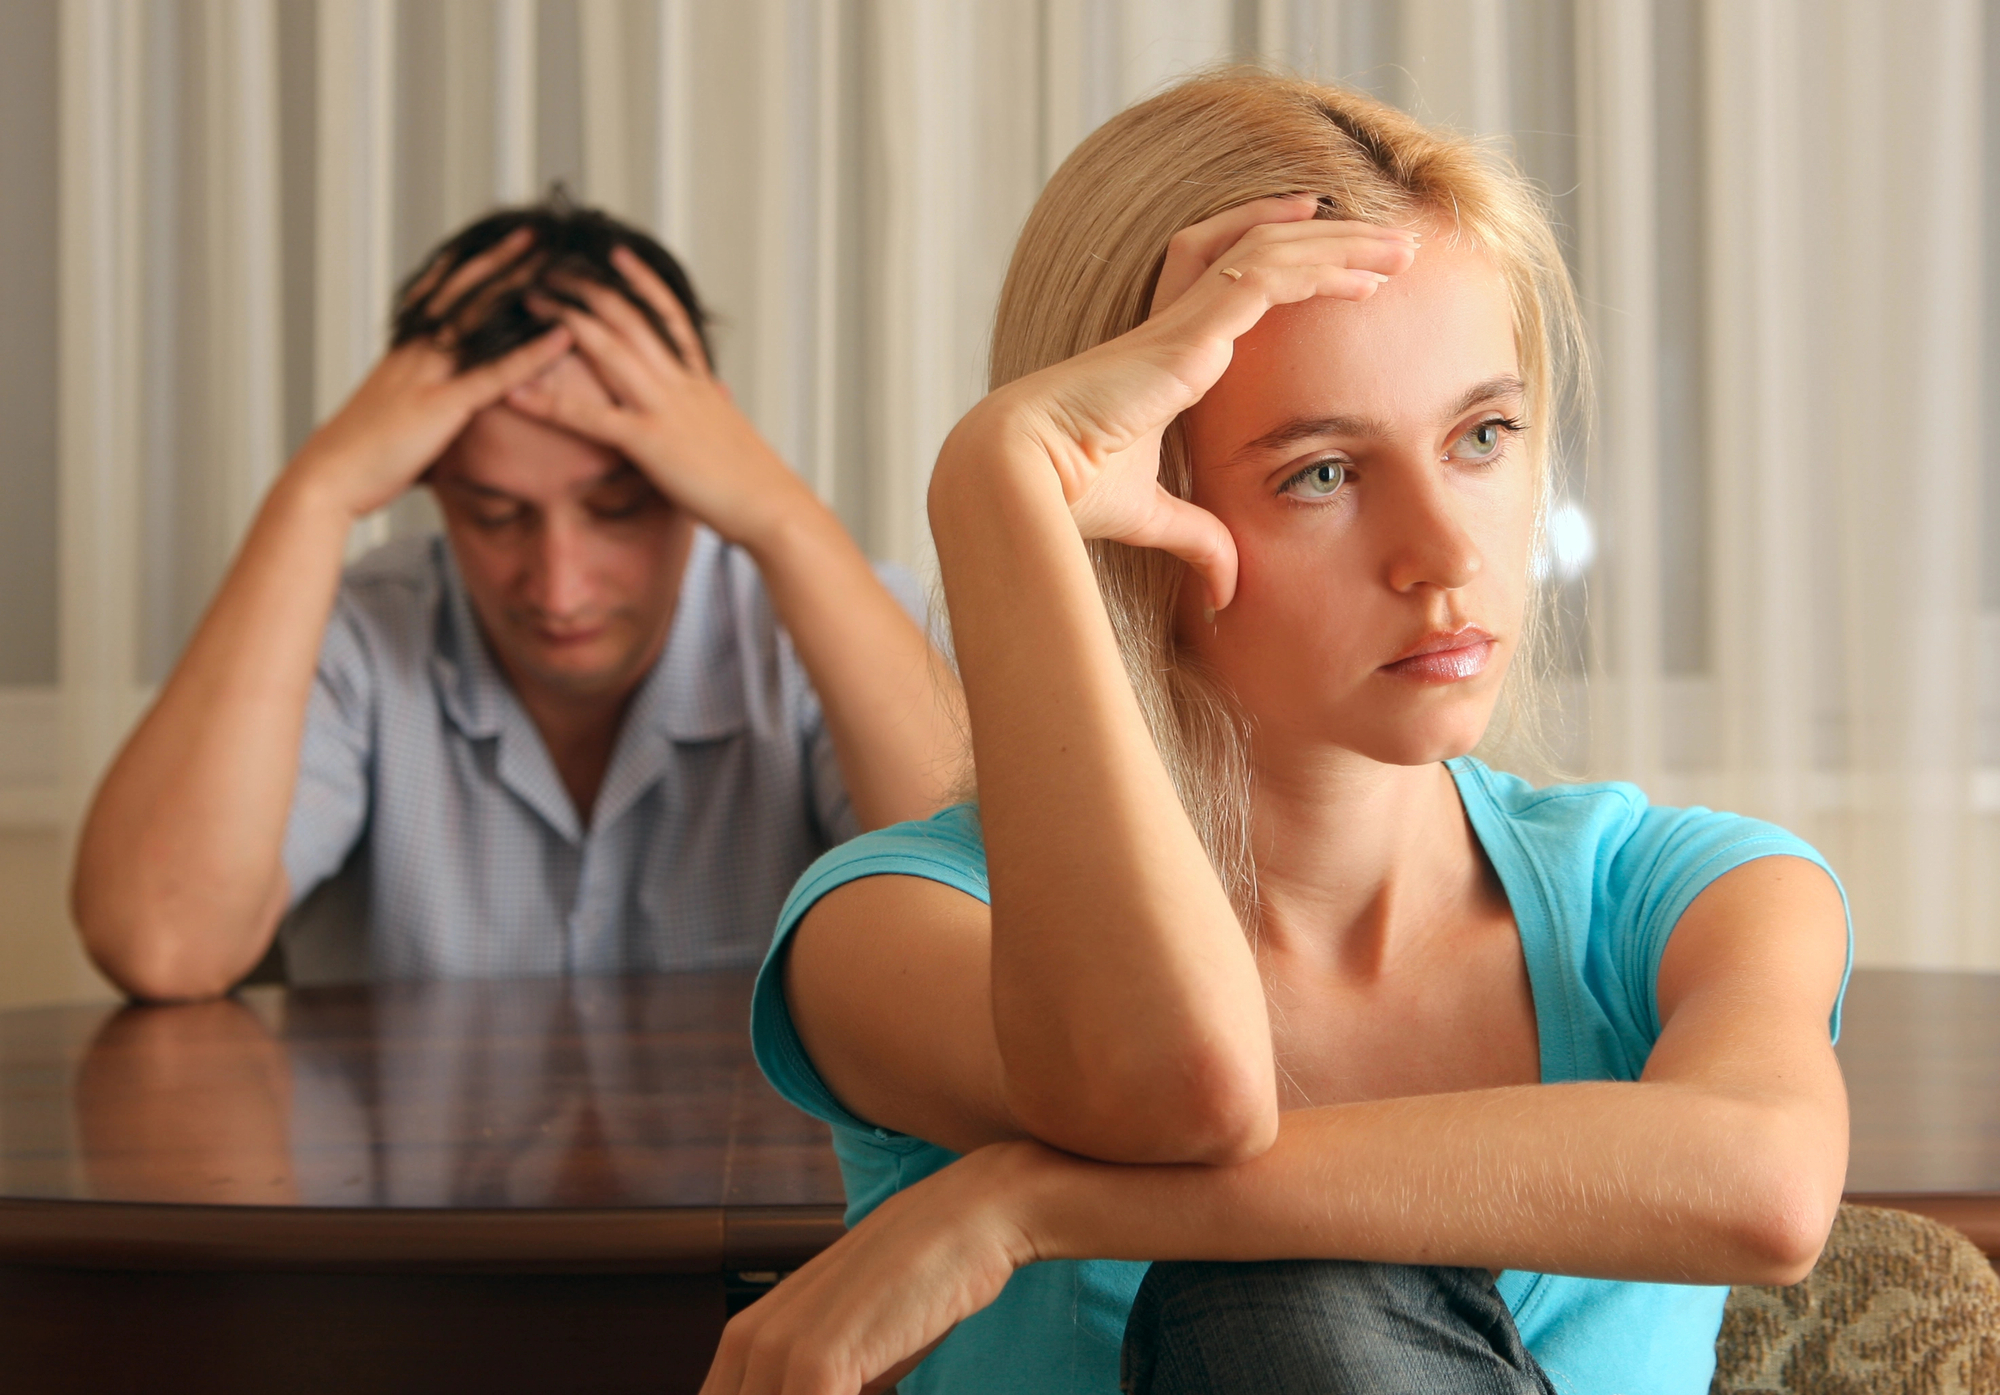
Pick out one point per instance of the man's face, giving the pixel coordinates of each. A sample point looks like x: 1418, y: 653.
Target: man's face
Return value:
x: 571, y: 559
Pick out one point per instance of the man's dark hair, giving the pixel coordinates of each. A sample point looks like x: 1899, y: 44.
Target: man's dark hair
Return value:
x: 492, y: 318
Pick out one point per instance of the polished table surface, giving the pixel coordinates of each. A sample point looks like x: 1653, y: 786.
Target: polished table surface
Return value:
x: 1921, y: 1052
x: 558, y: 1184
x: 613, y: 1123
x: 528, y: 1124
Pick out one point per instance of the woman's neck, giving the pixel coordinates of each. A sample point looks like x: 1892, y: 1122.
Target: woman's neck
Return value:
x: 1358, y: 861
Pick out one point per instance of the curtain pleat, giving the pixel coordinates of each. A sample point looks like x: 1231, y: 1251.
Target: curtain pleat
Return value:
x: 1774, y: 209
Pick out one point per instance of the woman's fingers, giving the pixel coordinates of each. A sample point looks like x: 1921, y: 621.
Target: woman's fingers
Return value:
x: 1199, y: 539
x: 672, y: 313
x: 1228, y: 300
x: 1191, y: 250
x: 1358, y: 246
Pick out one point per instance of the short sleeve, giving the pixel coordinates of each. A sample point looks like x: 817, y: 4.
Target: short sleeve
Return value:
x: 945, y: 848
x: 331, y: 800
x: 1671, y: 857
x: 832, y: 809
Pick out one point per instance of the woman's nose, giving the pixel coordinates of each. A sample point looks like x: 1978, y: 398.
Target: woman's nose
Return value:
x: 1428, y: 543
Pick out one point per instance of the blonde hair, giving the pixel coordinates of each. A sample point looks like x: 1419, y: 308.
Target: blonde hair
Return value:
x: 1083, y: 272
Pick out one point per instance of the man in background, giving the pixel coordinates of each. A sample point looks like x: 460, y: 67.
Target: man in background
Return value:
x: 600, y: 725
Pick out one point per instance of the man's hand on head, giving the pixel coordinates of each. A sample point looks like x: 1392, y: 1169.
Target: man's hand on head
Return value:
x: 414, y: 402
x: 662, y: 408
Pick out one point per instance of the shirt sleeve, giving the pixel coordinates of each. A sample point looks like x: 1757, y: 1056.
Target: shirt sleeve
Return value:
x: 330, y: 804
x: 832, y: 809
x: 946, y: 848
x: 1671, y: 858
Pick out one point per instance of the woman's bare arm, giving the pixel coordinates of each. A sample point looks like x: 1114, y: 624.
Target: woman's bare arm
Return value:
x: 1723, y: 1164
x: 1124, y: 1016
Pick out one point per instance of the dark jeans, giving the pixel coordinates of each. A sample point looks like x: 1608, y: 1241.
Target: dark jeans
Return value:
x: 1324, y: 1327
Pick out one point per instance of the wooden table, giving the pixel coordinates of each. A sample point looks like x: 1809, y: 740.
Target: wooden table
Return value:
x: 1921, y: 1052
x: 557, y: 1185
x: 498, y: 1186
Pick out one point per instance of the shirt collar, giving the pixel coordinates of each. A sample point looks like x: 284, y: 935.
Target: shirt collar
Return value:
x: 695, y: 692
x: 469, y: 682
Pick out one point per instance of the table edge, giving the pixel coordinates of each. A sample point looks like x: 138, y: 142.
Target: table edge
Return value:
x: 690, y: 1239
x: 1975, y: 1215
x: 61, y: 1233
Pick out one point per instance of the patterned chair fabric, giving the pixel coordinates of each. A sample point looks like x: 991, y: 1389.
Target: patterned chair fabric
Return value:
x: 1898, y: 1305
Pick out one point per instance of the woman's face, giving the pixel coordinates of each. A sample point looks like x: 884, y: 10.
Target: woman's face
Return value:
x: 1367, y: 458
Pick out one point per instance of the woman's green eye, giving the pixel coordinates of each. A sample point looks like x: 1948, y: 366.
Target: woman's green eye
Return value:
x: 1319, y: 480
x: 1482, y: 442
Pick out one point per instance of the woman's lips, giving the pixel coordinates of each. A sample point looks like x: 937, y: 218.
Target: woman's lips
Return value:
x: 1445, y: 657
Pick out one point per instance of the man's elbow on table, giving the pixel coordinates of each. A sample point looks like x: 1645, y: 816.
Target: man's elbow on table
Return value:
x: 155, y: 955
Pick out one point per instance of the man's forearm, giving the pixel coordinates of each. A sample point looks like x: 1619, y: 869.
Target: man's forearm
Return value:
x: 892, y: 706
x: 178, y: 879
x: 1648, y: 1182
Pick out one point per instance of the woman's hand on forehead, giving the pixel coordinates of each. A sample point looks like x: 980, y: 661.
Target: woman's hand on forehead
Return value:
x: 1235, y: 238
x: 1100, y: 416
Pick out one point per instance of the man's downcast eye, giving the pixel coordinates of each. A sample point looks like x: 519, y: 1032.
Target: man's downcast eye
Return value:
x: 1320, y: 480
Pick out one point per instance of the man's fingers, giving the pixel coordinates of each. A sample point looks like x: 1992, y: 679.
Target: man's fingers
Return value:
x: 672, y: 313
x: 477, y: 269
x: 616, y: 337
x: 585, y: 415
x: 607, y: 353
x: 485, y: 384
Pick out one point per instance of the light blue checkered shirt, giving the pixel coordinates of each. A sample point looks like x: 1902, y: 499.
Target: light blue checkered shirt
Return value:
x: 430, y: 836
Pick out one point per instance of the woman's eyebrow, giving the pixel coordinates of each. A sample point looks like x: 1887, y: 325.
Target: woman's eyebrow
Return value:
x: 1313, y: 428
x: 1505, y: 385
x: 1307, y: 429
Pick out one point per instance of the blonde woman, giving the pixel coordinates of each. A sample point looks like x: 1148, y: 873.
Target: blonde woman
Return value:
x: 1403, y: 1074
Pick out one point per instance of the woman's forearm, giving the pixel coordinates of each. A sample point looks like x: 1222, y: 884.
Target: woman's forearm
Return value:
x: 178, y: 878
x: 892, y: 705
x: 1652, y: 1181
x: 1128, y: 1007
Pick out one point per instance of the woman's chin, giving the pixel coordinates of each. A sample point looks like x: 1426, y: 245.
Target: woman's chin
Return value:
x: 1398, y: 740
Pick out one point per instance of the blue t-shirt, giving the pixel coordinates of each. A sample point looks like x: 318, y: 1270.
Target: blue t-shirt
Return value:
x: 1597, y: 880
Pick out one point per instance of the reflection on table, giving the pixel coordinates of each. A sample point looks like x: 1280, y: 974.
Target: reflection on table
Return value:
x: 523, y: 1185
x: 558, y: 1184
x: 581, y: 1093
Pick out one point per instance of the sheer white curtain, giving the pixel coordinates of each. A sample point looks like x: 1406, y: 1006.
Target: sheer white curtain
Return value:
x: 1772, y: 548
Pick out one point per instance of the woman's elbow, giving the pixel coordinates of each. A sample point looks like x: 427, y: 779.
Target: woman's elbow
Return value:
x: 1212, y: 1111
x: 1785, y: 1218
